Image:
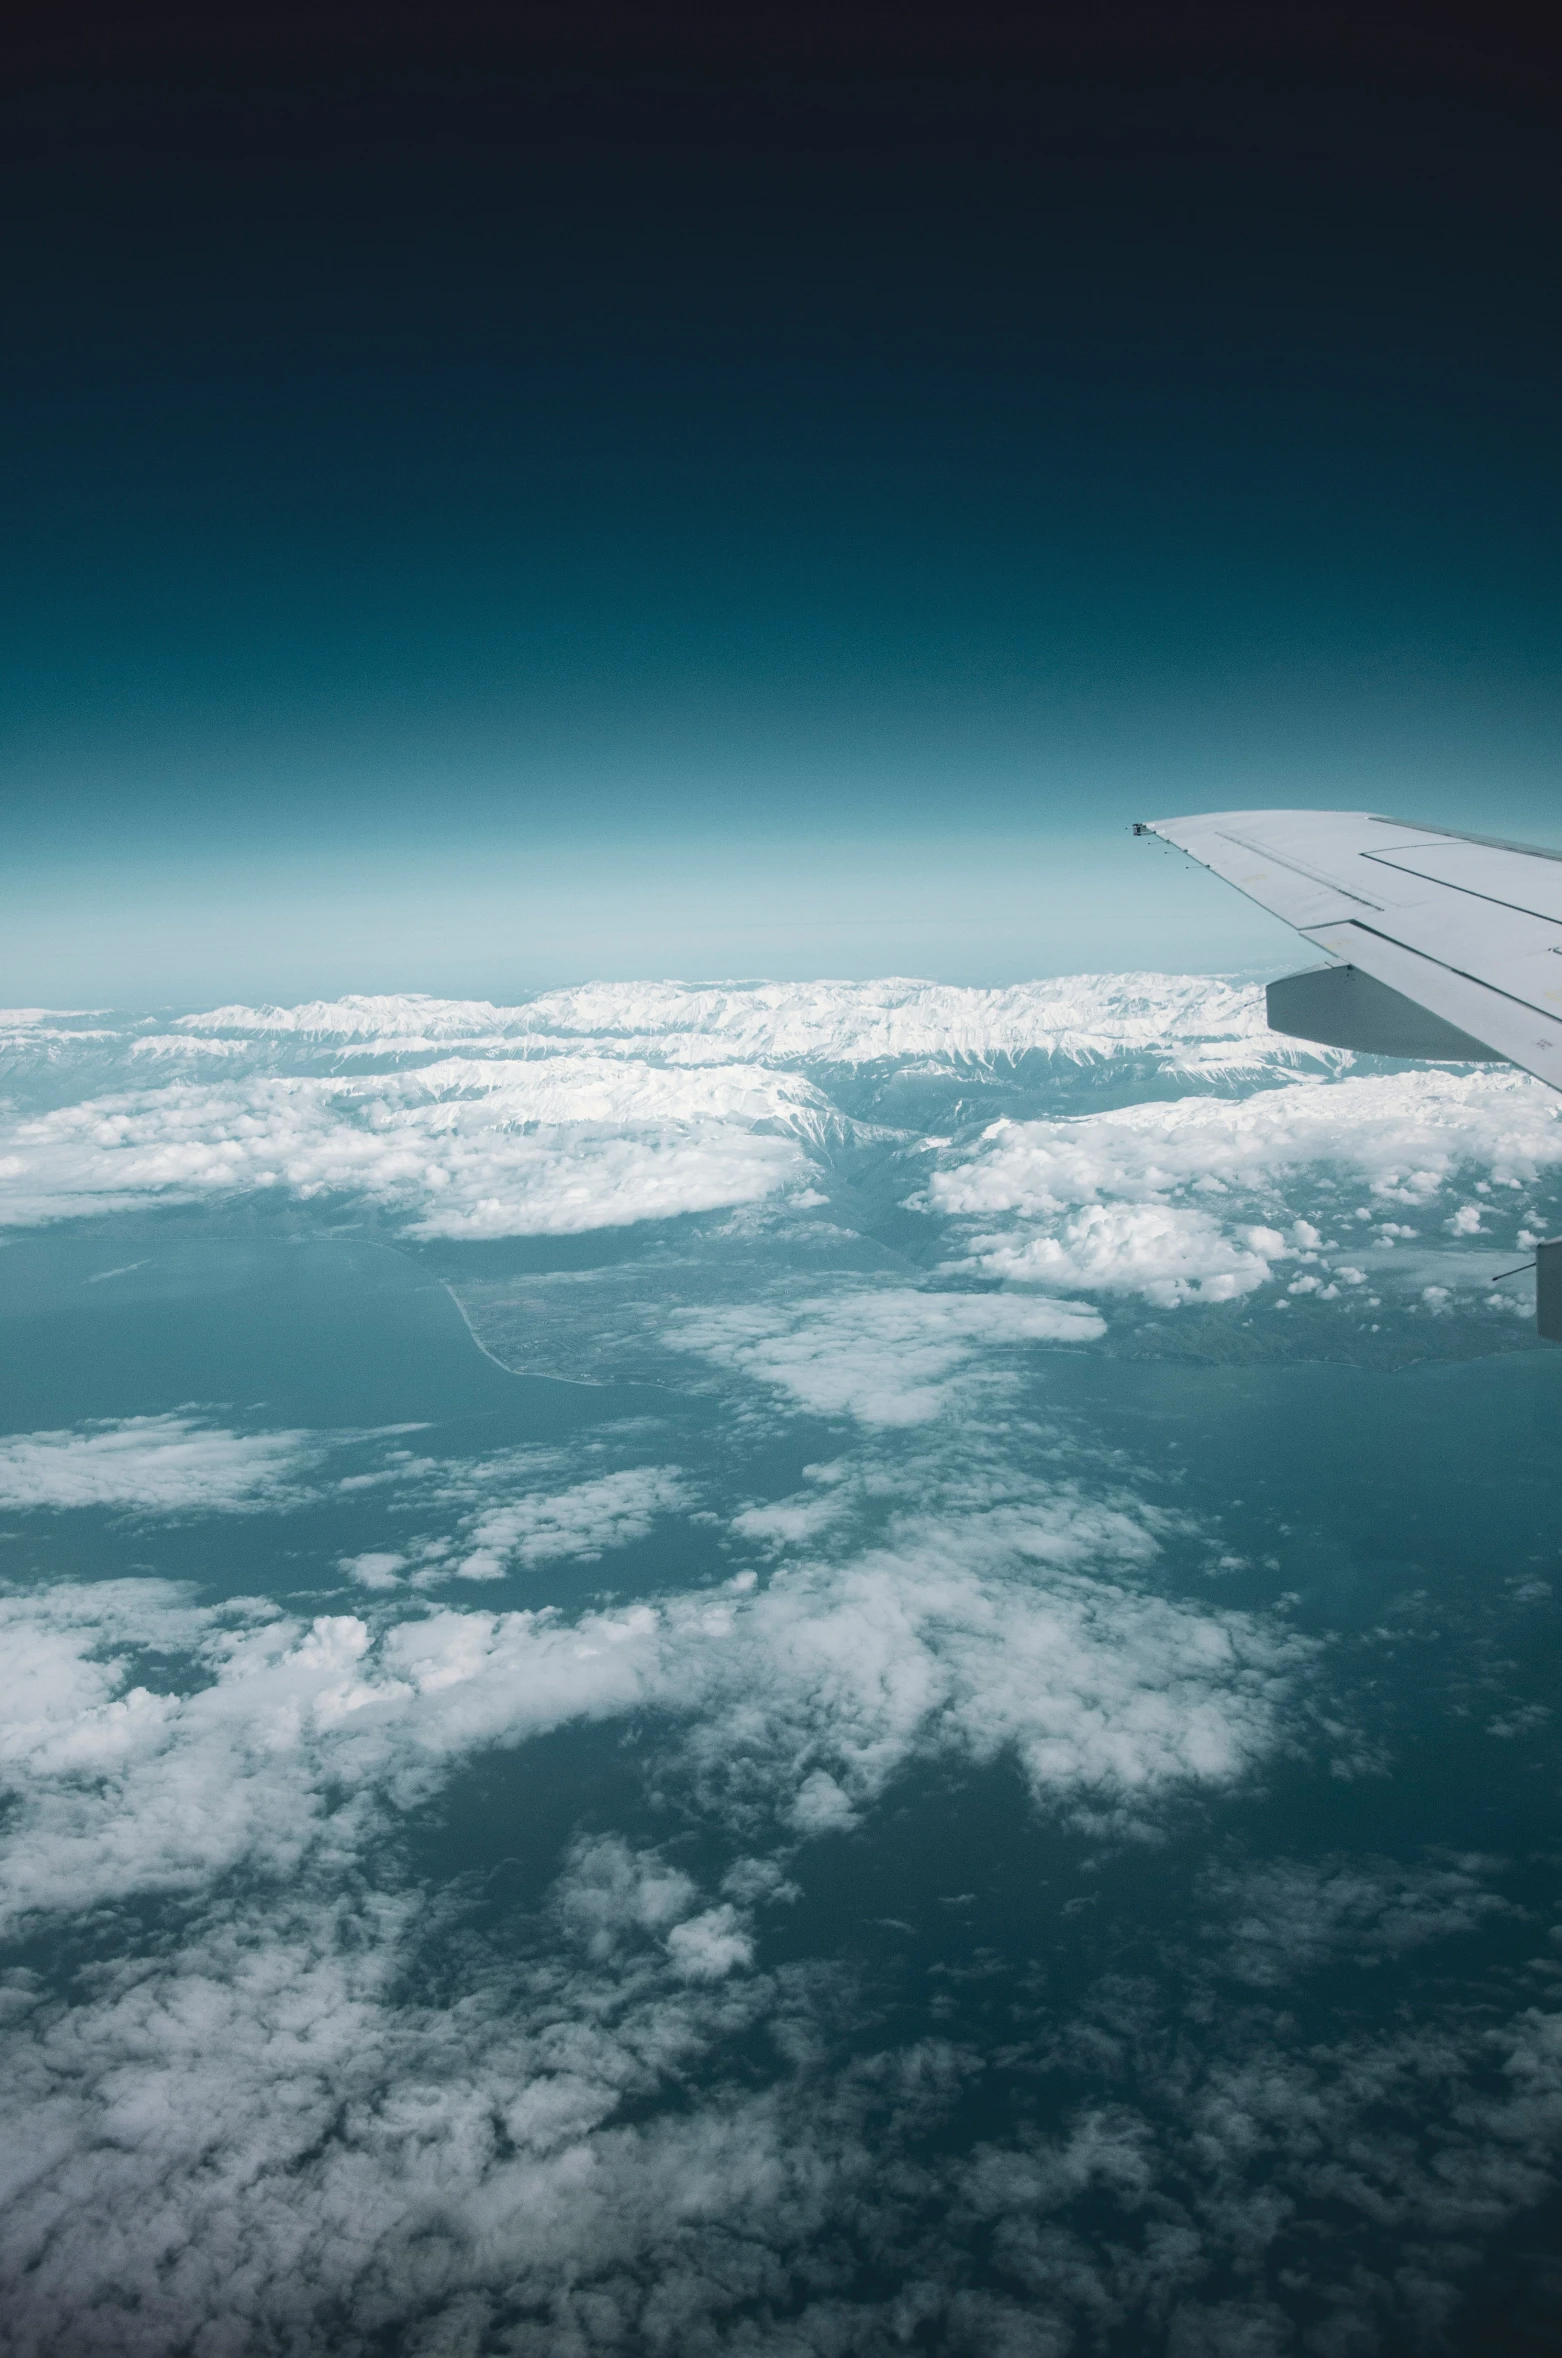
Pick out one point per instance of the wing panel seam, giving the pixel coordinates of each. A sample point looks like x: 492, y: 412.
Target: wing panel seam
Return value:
x: 1447, y: 884
x: 1297, y: 868
x: 1530, y: 851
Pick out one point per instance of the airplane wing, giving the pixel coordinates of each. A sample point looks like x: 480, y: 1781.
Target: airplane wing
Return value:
x: 1440, y: 944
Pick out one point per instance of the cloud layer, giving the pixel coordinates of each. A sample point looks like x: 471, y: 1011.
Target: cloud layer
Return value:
x: 1141, y: 1199
x: 581, y: 1522
x: 326, y: 2109
x: 887, y: 1356
x: 154, y: 1464
x: 799, y: 1698
x: 461, y: 1148
x: 703, y: 1885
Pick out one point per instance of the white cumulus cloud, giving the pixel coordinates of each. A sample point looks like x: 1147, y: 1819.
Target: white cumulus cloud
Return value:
x: 609, y: 1511
x: 886, y: 1356
x: 460, y: 1148
x: 979, y: 1628
x: 1158, y: 1198
x: 158, y: 1464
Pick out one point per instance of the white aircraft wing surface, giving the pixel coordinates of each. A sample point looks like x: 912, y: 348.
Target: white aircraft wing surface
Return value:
x: 1452, y: 944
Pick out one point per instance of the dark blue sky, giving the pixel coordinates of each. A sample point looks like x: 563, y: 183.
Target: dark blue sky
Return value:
x: 775, y: 493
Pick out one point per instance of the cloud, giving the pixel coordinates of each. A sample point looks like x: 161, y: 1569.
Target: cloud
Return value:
x: 388, y: 2156
x: 607, y: 1106
x: 789, y: 1522
x: 375, y: 1568
x: 1140, y: 1200
x: 1403, y: 1134
x: 800, y: 1699
x: 1290, y: 1916
x: 611, y: 1892
x: 1108, y: 1697
x: 263, y: 2140
x: 611, y: 1511
x: 1257, y: 2176
x: 886, y: 1356
x: 1165, y: 1252
x: 272, y: 2132
x: 586, y: 2102
x: 709, y: 1947
x: 461, y: 1148
x: 327, y: 2107
x: 162, y: 1465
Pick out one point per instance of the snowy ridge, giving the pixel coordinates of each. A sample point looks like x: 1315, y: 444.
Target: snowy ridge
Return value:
x: 614, y: 1104
x: 836, y: 1023
x: 403, y: 1015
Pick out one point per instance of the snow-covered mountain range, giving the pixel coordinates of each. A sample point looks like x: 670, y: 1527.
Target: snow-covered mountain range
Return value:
x: 1111, y: 1136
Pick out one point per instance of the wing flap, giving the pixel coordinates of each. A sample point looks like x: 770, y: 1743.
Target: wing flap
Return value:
x: 1345, y: 1007
x: 1505, y: 1025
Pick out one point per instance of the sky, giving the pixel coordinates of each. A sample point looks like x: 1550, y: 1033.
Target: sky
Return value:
x: 588, y: 495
